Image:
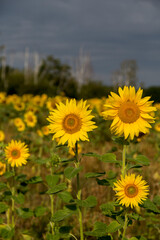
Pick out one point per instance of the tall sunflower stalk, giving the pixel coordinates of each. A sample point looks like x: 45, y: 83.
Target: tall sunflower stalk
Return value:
x: 70, y: 123
x: 131, y: 115
x: 79, y: 193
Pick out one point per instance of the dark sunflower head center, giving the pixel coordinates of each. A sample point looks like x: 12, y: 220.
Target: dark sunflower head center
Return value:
x: 131, y: 190
x: 129, y: 112
x: 15, y: 153
x: 72, y: 123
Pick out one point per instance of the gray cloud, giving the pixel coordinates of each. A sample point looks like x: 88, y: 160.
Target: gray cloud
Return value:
x: 111, y: 31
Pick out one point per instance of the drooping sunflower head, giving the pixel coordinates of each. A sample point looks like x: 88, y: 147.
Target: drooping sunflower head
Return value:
x: 131, y: 114
x: 70, y: 122
x: 131, y: 190
x: 17, y: 153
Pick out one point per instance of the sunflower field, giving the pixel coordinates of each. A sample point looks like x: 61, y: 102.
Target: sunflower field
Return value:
x: 80, y: 169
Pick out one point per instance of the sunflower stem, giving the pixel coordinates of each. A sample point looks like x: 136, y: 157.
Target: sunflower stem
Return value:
x: 8, y: 211
x: 52, y: 206
x: 79, y: 194
x: 125, y: 226
x: 13, y: 207
x: 124, y: 161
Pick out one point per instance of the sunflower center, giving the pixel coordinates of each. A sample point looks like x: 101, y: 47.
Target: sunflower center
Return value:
x: 131, y: 190
x: 30, y: 119
x: 1, y: 168
x: 128, y: 112
x: 15, y: 153
x: 72, y: 123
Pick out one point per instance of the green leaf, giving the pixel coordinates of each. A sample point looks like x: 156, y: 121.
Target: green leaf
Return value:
x: 133, y: 238
x: 58, y: 188
x: 107, y: 158
x: 9, y: 174
x: 89, y: 202
x: 52, y: 180
x: 66, y: 197
x: 3, y: 186
x: 130, y: 166
x: 94, y: 175
x: 52, y: 237
x: 156, y: 200
x: 39, y: 211
x: 150, y: 206
x: 34, y: 180
x: 71, y: 172
x: 21, y: 178
x: 136, y: 216
x: 25, y: 212
x: 108, y: 237
x: 108, y: 209
x: 61, y: 214
x: 100, y: 229
x: 113, y: 227
x: 19, y: 198
x: 6, y: 232
x: 141, y: 160
x: 1, y: 220
x: 65, y: 229
x: 3, y: 207
x: 143, y: 238
x: 105, y: 182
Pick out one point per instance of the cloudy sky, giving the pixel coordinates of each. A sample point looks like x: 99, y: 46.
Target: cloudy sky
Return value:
x: 111, y: 31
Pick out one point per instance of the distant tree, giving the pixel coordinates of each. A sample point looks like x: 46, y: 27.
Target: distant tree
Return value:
x: 57, y: 73
x: 126, y: 75
x: 94, y: 89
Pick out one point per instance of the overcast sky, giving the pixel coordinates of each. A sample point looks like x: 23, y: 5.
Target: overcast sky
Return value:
x: 111, y: 31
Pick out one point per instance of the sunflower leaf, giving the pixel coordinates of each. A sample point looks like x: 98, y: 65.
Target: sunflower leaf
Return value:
x: 140, y: 159
x: 3, y: 207
x: 89, y: 202
x: 71, y: 172
x: 150, y: 206
x: 57, y: 188
x: 94, y: 174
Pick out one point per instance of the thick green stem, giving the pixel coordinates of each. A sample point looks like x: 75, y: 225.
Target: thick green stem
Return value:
x: 123, y: 174
x: 125, y: 226
x: 13, y: 207
x: 79, y: 195
x: 52, y: 205
x: 8, y: 211
x: 124, y: 161
x: 52, y: 212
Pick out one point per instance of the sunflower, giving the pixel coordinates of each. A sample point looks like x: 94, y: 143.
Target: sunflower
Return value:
x: 16, y: 153
x: 157, y: 126
x: 19, y: 106
x: 70, y: 122
x: 45, y: 130
x: 21, y: 127
x: 2, y: 136
x: 130, y: 112
x: 30, y: 119
x: 2, y: 168
x: 131, y: 190
x: 17, y: 121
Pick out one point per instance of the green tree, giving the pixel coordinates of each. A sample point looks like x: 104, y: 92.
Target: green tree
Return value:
x: 57, y: 73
